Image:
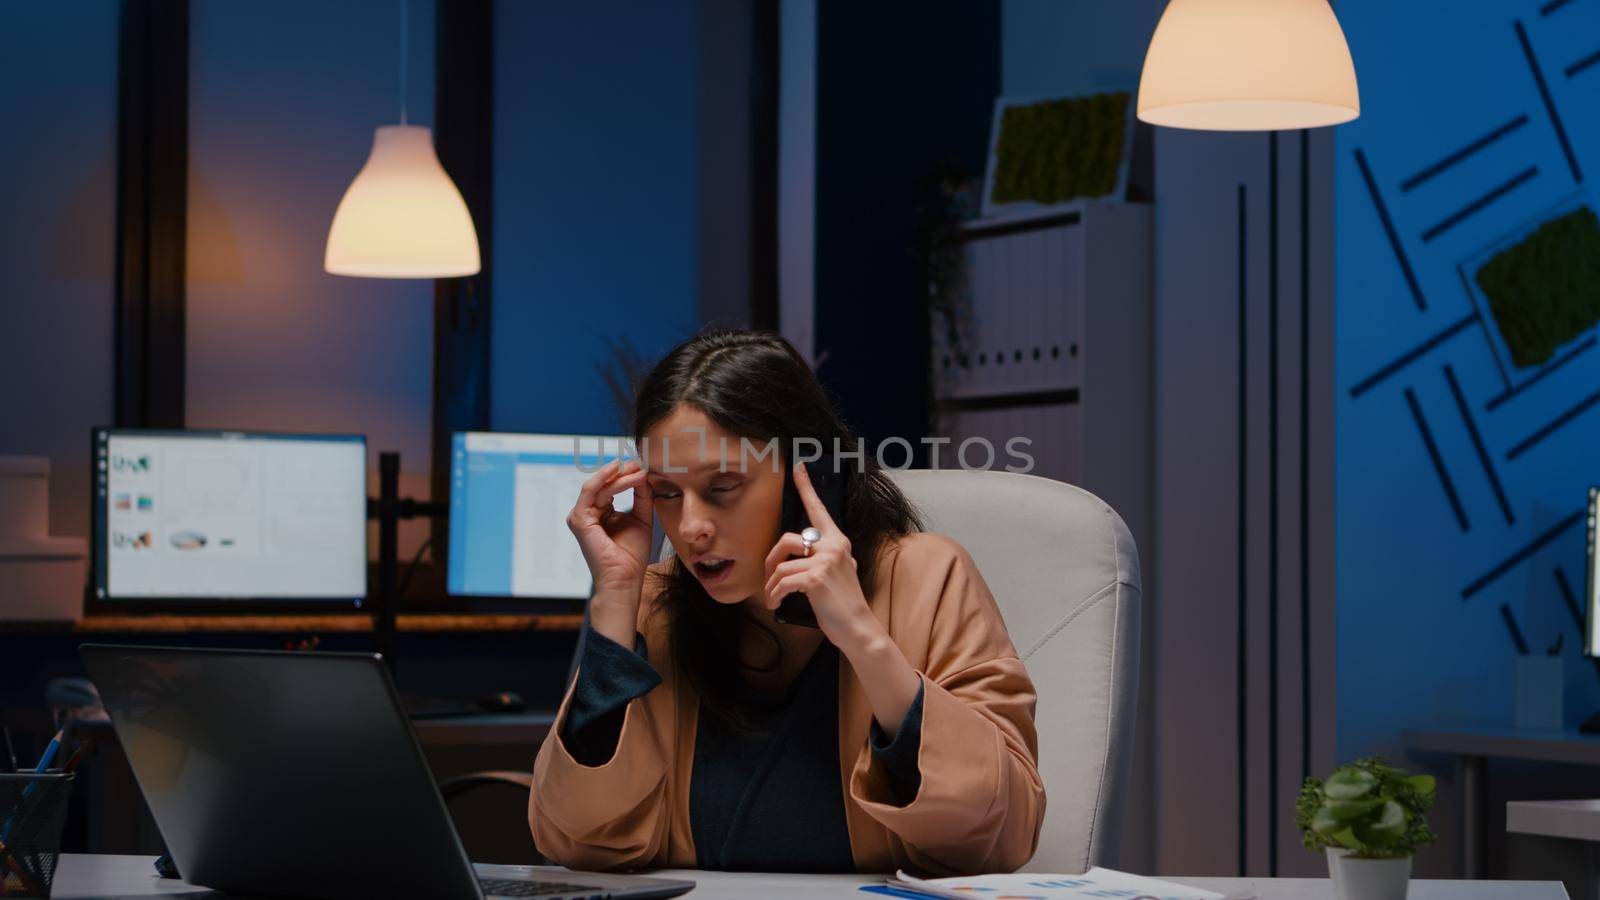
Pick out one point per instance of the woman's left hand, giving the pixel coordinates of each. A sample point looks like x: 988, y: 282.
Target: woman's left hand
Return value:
x: 827, y: 576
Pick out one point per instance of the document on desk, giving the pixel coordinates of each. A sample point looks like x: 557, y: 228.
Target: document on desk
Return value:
x: 1099, y: 883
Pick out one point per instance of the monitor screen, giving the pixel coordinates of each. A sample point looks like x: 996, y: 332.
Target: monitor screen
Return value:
x: 509, y: 499
x: 228, y: 515
x: 1592, y: 582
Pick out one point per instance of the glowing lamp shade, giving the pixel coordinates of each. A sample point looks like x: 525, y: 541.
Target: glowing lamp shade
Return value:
x: 1248, y: 65
x: 402, y: 217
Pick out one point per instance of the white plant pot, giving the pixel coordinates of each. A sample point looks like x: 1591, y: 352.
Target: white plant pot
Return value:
x: 1368, y: 879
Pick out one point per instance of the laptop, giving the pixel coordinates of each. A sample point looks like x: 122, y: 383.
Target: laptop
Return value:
x: 298, y: 774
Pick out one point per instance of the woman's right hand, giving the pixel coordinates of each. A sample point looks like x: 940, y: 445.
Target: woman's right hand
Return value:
x: 616, y: 545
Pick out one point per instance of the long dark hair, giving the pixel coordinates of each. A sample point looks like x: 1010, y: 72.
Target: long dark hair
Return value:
x: 756, y: 385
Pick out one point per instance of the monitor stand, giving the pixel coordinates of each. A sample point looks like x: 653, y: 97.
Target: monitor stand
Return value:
x: 389, y: 508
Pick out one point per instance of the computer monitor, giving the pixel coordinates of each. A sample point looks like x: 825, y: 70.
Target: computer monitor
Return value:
x: 1592, y: 578
x: 509, y: 499
x: 228, y: 516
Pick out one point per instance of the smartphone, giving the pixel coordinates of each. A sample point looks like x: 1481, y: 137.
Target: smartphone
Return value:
x: 830, y: 481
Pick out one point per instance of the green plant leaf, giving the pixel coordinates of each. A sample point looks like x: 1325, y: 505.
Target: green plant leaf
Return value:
x: 1422, y: 784
x: 1387, y: 829
x: 1325, y: 824
x: 1347, y: 839
x: 1349, y: 783
x: 1347, y: 810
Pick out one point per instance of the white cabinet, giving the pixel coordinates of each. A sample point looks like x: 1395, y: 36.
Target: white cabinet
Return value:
x: 1019, y: 343
x: 1059, y: 350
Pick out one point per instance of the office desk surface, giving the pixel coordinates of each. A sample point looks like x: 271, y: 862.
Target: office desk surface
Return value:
x: 107, y: 877
x: 1568, y: 746
x: 485, y: 730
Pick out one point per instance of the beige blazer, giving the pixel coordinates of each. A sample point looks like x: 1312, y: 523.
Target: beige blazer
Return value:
x: 981, y: 802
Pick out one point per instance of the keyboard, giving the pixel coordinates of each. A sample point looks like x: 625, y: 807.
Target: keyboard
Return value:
x: 516, y: 887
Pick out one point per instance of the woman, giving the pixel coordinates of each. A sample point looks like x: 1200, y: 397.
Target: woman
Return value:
x: 700, y: 732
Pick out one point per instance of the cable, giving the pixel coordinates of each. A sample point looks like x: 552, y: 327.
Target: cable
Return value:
x: 405, y: 24
x: 411, y: 569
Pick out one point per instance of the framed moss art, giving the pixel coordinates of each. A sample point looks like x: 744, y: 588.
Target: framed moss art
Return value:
x: 1052, y: 154
x: 1544, y: 290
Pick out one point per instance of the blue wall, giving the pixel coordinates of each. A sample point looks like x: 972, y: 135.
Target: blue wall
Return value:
x: 1420, y: 634
x: 1074, y: 46
x: 596, y: 201
x: 57, y: 232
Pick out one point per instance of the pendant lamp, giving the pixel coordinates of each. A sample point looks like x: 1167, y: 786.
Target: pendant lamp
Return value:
x: 402, y: 217
x: 1248, y: 65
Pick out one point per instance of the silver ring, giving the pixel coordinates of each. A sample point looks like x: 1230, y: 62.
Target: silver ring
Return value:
x: 809, y: 538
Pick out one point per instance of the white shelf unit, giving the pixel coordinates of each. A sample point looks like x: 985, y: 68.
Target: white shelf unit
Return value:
x: 1060, y: 350
x: 1080, y: 289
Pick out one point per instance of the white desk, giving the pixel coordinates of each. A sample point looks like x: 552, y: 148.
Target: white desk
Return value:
x: 96, y: 877
x: 1577, y: 820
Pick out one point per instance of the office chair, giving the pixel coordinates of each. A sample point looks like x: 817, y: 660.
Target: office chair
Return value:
x: 1064, y: 570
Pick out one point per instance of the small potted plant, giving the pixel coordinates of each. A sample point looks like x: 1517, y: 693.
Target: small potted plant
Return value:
x: 1369, y: 818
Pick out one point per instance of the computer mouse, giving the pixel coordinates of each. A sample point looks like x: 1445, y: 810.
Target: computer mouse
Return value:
x: 504, y: 701
x: 165, y: 867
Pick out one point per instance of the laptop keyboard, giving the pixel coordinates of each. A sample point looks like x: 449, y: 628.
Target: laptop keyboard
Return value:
x: 516, y: 887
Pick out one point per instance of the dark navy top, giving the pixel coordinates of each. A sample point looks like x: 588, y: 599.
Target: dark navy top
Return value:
x: 767, y: 799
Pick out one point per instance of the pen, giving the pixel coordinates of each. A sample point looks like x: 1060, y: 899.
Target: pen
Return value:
x: 49, y: 755
x: 72, y: 761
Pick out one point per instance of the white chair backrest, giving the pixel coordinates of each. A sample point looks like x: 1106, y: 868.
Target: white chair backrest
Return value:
x: 1063, y: 568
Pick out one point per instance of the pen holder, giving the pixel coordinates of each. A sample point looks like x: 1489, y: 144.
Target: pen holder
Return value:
x: 33, y: 808
x: 1537, y: 697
